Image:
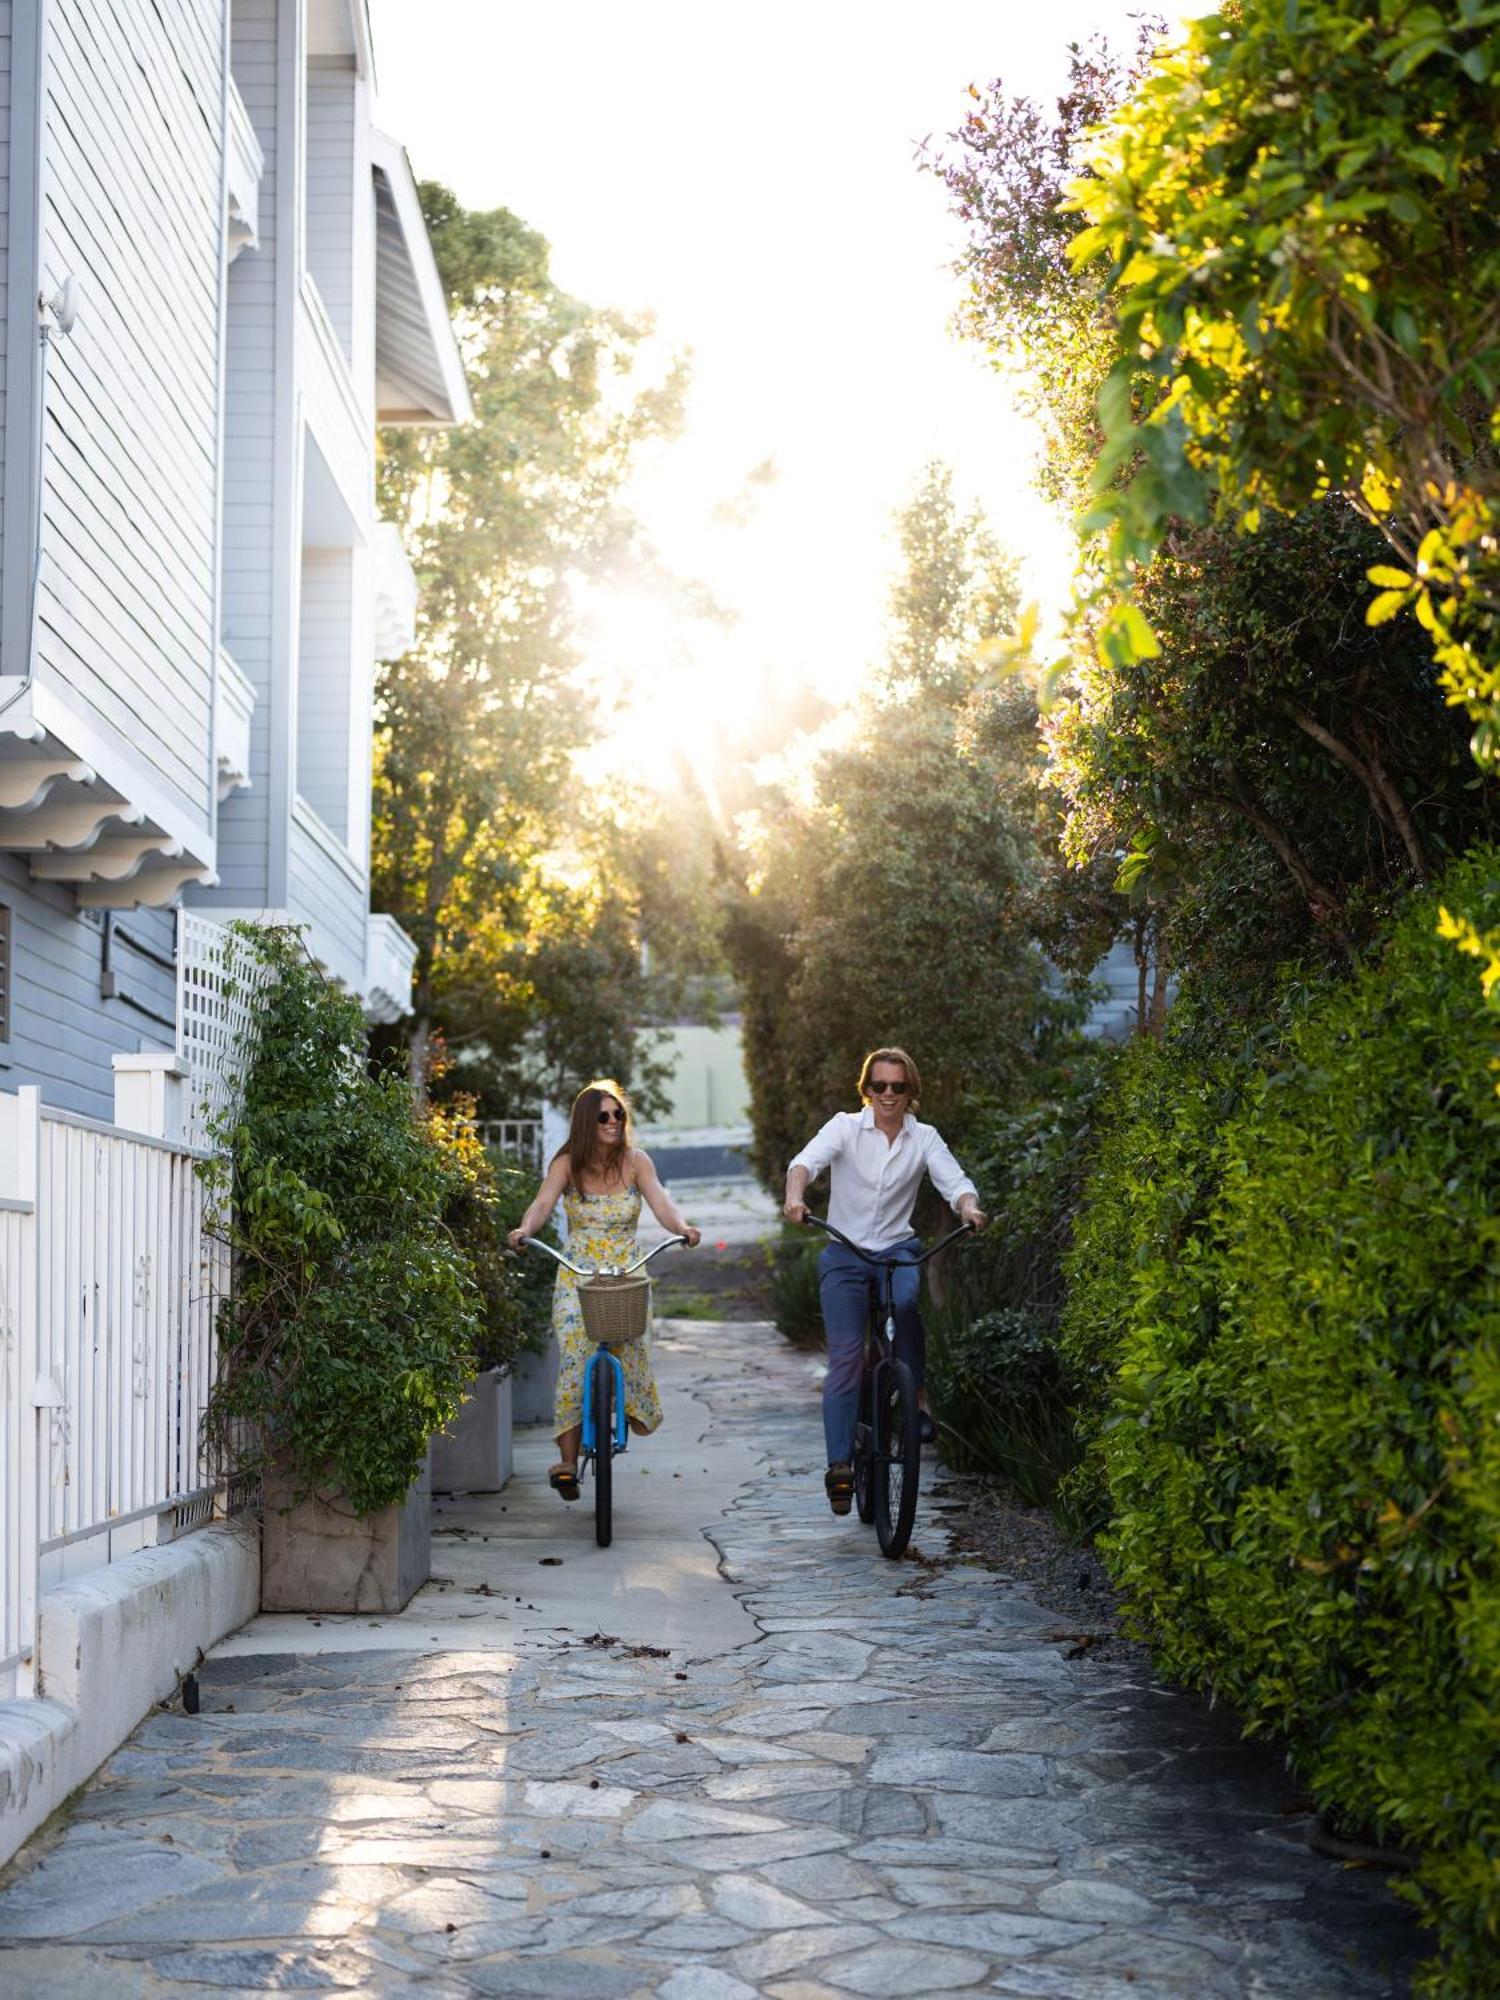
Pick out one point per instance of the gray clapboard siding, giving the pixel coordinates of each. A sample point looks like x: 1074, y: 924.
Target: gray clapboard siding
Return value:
x: 250, y: 441
x: 131, y: 209
x: 5, y: 96
x: 324, y: 690
x: 62, y: 1033
x: 329, y: 196
x: 327, y: 889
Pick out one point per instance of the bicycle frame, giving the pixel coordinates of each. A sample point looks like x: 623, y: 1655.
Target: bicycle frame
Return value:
x: 886, y: 1263
x: 600, y: 1442
x: 590, y: 1443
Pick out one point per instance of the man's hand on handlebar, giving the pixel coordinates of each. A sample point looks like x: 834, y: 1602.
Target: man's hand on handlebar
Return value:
x: 969, y: 1211
x: 794, y: 1211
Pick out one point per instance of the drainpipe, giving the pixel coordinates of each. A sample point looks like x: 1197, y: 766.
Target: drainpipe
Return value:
x: 44, y: 337
x: 216, y: 531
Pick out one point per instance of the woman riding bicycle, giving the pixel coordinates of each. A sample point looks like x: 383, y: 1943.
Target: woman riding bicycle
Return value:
x: 877, y: 1158
x: 601, y: 1177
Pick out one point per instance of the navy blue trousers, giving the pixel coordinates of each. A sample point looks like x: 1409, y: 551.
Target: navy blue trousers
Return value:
x: 847, y: 1285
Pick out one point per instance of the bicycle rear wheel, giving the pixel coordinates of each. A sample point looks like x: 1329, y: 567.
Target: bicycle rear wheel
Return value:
x: 602, y: 1396
x: 897, y: 1456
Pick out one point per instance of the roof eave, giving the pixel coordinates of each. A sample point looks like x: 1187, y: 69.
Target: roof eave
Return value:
x: 452, y: 403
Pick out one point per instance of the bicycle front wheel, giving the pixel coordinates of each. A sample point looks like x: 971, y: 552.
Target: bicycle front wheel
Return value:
x: 602, y: 1395
x: 897, y: 1456
x: 864, y: 1454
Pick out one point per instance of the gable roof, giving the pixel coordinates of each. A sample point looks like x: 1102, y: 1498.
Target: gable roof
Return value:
x: 419, y: 374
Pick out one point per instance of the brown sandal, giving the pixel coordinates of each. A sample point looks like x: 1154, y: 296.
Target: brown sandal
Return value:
x: 563, y: 1479
x: 838, y: 1484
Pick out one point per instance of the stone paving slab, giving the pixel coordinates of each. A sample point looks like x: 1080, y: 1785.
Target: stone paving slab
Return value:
x: 863, y: 1779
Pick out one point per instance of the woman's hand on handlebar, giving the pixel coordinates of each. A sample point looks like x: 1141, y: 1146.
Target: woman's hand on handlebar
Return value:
x: 516, y: 1239
x: 692, y: 1237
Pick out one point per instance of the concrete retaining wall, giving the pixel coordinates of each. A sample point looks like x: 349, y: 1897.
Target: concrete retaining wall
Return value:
x: 110, y: 1645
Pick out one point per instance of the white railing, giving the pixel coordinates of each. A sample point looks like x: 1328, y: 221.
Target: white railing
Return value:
x: 520, y: 1136
x: 109, y: 1283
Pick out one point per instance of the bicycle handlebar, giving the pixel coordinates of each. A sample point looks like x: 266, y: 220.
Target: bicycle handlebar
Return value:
x: 876, y: 1258
x: 600, y: 1270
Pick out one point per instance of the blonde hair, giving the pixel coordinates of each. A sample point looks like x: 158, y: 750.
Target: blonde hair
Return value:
x: 893, y: 1055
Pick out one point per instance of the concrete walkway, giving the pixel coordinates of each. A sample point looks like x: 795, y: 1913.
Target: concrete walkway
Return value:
x: 766, y: 1762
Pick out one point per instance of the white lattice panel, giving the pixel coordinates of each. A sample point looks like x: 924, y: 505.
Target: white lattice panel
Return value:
x: 218, y: 978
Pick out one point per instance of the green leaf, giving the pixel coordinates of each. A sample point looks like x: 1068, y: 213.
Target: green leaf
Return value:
x: 1383, y: 608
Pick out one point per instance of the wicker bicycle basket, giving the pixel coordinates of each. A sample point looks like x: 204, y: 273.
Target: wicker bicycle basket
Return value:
x: 615, y: 1310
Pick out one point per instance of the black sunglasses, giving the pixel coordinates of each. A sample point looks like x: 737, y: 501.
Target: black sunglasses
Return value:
x: 611, y: 1117
x: 879, y: 1089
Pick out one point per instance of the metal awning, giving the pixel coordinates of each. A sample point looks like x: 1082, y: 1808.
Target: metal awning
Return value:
x: 419, y: 375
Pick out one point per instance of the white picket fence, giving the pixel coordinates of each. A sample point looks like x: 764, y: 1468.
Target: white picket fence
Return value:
x: 108, y: 1290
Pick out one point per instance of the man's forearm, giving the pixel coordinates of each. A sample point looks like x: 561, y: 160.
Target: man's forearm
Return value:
x: 796, y: 1183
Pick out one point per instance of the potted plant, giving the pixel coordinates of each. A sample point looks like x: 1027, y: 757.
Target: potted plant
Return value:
x: 349, y: 1335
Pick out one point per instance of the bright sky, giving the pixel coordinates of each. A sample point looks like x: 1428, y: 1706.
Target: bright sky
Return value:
x: 748, y: 176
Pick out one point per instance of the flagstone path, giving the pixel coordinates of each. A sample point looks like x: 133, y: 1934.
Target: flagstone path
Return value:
x: 880, y: 1779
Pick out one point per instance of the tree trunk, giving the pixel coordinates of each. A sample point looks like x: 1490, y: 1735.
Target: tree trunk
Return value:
x: 1384, y: 796
x: 1395, y: 805
x: 1327, y: 908
x: 418, y: 1047
x: 1159, y: 990
x: 1142, y: 976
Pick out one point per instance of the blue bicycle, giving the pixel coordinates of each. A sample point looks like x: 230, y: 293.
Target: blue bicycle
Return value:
x: 616, y: 1304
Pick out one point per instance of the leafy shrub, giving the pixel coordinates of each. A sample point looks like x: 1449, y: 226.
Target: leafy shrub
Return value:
x: 999, y: 1387
x: 475, y: 1217
x: 531, y: 1277
x: 795, y: 1304
x: 351, y: 1331
x: 1137, y: 1249
x: 1030, y: 1167
x: 1289, y: 1290
x: 1000, y: 1398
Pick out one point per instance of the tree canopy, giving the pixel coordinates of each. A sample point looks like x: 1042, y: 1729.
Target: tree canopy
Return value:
x: 885, y: 897
x: 523, y: 898
x: 1293, y: 212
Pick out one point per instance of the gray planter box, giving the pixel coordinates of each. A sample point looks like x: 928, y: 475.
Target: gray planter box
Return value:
x: 534, y: 1380
x: 322, y: 1556
x: 475, y: 1453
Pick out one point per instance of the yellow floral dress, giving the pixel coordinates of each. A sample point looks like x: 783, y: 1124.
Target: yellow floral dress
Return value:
x: 601, y: 1230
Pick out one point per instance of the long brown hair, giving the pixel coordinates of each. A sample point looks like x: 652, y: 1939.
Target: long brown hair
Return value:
x: 586, y: 1157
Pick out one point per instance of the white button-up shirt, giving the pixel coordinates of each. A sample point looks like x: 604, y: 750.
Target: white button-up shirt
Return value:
x: 874, y: 1181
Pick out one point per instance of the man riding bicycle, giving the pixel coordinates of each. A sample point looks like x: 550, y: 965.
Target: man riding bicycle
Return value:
x: 877, y: 1158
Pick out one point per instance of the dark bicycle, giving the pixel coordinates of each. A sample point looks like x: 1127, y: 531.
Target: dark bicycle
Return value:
x: 616, y: 1304
x: 888, y: 1433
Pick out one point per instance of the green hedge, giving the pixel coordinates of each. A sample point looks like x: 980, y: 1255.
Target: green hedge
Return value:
x: 1285, y: 1289
x: 350, y: 1333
